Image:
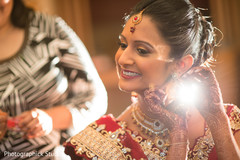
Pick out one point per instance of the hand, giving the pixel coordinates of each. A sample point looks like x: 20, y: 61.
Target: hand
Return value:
x: 210, y: 103
x: 3, y: 123
x: 155, y: 98
x: 175, y: 123
x: 35, y: 123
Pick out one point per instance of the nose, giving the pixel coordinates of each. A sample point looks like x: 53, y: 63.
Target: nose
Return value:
x: 4, y: 2
x: 125, y: 57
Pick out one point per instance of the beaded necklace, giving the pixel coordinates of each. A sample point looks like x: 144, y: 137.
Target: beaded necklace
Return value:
x: 151, y: 127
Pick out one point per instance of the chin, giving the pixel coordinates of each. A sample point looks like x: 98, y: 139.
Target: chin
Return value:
x: 124, y: 89
x: 130, y: 88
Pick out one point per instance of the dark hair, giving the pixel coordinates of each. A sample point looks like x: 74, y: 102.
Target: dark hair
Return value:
x: 183, y: 27
x: 20, y: 15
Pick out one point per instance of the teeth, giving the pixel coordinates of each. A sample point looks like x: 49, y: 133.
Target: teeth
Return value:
x: 130, y: 73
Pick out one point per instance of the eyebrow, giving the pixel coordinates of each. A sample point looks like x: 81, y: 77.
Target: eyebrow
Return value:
x: 122, y: 36
x: 137, y: 41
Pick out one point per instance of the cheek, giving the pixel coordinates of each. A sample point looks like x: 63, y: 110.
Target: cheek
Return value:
x: 156, y: 74
x: 117, y: 55
x: 5, y: 9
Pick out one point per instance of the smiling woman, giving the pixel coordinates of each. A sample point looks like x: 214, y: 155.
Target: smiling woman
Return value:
x: 164, y: 44
x: 142, y: 52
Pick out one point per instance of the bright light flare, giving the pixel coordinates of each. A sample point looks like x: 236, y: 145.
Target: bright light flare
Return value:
x: 187, y: 93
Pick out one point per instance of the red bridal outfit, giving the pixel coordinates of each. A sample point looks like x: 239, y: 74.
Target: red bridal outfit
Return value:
x: 109, y: 139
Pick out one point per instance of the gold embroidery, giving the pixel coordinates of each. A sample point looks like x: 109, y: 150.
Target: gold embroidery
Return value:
x: 149, y: 149
x: 99, y: 144
x: 235, y: 118
x: 202, y: 148
x: 205, y: 144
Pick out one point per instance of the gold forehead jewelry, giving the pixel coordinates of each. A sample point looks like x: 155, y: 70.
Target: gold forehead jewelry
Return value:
x: 136, y: 20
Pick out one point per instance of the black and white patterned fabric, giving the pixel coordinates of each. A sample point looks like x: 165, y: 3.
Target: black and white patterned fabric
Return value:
x: 52, y: 68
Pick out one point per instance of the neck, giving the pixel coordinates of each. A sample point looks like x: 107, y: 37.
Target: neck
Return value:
x: 5, y: 30
x: 10, y: 35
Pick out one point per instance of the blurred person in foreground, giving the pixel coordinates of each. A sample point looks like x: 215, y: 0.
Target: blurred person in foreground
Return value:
x: 49, y: 87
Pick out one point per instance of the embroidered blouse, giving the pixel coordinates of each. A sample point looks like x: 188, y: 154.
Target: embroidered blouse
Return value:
x: 108, y: 139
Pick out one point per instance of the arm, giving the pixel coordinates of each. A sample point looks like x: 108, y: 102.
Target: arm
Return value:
x: 213, y: 111
x: 179, y: 144
x: 88, y: 100
x: 3, y: 123
x: 176, y: 124
x: 224, y: 140
x: 237, y: 137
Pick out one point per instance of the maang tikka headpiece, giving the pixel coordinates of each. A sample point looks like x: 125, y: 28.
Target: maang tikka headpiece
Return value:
x: 136, y: 20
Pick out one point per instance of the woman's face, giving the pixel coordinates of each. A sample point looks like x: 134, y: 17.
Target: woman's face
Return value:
x: 143, y: 57
x: 5, y: 12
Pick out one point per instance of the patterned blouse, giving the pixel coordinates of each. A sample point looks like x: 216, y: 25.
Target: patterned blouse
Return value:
x: 108, y: 139
x: 52, y: 68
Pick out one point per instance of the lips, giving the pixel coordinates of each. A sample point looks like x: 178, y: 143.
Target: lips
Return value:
x: 126, y: 74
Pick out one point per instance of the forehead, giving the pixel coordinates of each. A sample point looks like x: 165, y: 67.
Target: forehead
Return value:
x: 146, y: 30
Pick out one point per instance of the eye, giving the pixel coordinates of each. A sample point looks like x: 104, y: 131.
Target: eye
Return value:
x: 122, y: 45
x: 142, y: 51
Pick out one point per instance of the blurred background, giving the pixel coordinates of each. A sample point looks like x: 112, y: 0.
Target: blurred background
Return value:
x: 99, y: 22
